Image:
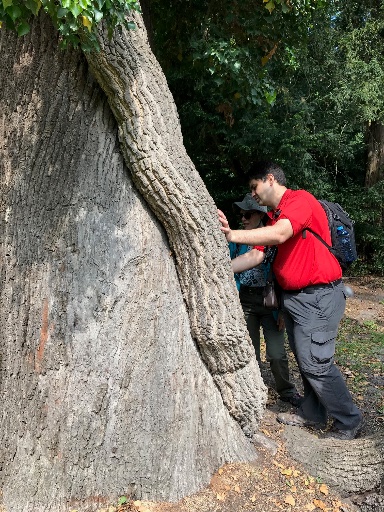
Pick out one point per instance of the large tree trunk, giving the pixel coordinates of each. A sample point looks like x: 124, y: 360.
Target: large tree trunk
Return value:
x: 108, y: 387
x: 375, y: 164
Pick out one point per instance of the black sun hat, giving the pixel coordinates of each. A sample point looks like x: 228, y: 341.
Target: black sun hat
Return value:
x: 250, y: 204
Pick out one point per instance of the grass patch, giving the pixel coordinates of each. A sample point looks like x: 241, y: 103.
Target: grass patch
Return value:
x: 360, y: 356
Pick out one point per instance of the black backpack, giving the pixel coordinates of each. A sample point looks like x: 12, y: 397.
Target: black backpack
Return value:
x: 342, y: 234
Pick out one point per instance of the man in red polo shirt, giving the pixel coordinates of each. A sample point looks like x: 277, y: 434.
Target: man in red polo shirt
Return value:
x: 313, y: 295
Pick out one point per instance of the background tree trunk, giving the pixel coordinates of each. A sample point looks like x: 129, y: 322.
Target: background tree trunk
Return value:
x: 103, y: 388
x: 375, y: 159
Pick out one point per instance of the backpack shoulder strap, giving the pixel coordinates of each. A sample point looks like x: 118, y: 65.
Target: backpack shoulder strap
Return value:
x: 304, y: 235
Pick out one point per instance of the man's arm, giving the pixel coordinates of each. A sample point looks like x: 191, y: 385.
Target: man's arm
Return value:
x: 248, y: 260
x: 268, y: 235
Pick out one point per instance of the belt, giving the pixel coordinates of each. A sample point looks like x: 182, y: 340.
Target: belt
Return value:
x: 251, y: 290
x: 315, y: 287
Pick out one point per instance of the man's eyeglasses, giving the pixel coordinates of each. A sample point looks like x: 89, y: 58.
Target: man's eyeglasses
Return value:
x: 246, y: 215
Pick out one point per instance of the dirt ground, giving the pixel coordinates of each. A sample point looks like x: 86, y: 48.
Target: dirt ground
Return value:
x: 275, y: 482
x: 368, y: 300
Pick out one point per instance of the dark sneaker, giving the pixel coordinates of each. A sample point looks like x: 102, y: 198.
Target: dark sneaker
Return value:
x: 298, y: 421
x: 346, y: 435
x: 294, y: 399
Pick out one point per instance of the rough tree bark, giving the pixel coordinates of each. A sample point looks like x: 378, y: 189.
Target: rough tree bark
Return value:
x: 375, y: 159
x: 108, y: 387
x: 151, y: 142
x: 351, y: 467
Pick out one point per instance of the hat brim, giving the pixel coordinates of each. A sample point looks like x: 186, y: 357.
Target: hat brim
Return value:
x: 242, y: 205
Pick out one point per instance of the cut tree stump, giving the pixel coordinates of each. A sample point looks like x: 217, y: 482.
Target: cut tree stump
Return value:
x: 350, y: 466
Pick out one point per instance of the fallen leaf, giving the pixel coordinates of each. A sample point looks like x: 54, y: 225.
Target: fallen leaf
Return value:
x: 253, y: 499
x: 237, y: 488
x: 290, y: 500
x: 220, y: 497
x: 264, y: 431
x: 221, y: 470
x: 310, y: 507
x: 320, y: 504
x: 227, y: 487
x: 287, y: 472
x: 278, y: 465
x: 324, y: 489
x: 296, y: 473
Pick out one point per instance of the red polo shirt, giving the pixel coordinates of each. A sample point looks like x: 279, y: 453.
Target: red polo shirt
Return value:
x: 302, y: 262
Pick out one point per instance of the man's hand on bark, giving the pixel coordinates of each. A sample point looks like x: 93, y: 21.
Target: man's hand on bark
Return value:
x: 224, y: 225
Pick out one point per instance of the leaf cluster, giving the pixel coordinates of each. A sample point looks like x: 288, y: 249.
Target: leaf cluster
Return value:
x: 76, y: 20
x: 224, y: 47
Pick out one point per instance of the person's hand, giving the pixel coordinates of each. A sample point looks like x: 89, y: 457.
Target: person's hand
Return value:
x: 280, y: 321
x: 224, y: 225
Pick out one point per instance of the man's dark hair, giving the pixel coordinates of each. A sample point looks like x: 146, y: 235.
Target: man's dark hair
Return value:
x: 260, y: 171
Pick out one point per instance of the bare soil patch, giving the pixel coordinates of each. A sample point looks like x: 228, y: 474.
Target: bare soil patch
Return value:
x: 367, y: 304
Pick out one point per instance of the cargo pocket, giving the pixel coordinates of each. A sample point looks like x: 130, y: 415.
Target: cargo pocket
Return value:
x: 323, y: 346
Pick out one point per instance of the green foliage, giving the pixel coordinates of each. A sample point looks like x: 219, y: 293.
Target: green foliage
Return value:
x: 257, y: 81
x: 360, y: 32
x: 76, y: 20
x: 217, y: 57
x: 368, y: 213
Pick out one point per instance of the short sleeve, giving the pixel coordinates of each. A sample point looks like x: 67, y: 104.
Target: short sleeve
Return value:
x: 299, y: 213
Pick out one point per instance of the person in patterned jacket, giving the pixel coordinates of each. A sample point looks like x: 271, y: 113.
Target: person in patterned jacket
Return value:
x: 250, y: 284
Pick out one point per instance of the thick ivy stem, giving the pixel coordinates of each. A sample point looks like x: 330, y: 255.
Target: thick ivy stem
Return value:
x: 152, y: 145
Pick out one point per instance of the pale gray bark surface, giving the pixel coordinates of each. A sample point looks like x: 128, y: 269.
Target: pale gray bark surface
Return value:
x: 350, y: 466
x: 103, y: 389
